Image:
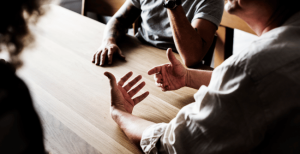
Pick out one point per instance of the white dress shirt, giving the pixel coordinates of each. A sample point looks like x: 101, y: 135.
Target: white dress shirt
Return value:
x: 252, y: 104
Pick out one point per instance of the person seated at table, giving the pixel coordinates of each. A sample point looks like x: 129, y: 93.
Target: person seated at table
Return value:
x: 249, y: 104
x: 20, y: 127
x: 186, y: 26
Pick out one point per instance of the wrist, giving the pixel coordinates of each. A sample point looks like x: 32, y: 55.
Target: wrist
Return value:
x: 109, y: 40
x: 116, y: 114
x: 187, y: 76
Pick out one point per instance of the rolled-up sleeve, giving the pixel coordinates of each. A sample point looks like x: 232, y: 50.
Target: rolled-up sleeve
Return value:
x: 210, y: 10
x: 151, y: 136
x: 226, y: 117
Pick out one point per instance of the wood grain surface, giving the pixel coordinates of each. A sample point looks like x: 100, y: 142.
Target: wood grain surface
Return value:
x: 72, y: 95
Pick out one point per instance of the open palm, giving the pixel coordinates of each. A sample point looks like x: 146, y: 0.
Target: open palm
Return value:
x: 121, y: 96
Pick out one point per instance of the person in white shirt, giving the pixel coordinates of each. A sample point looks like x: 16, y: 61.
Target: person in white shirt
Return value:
x: 248, y: 104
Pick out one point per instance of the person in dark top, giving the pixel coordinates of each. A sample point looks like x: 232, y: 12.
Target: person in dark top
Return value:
x: 20, y: 128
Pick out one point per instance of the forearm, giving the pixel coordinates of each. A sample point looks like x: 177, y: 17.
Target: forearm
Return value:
x: 118, y: 25
x: 188, y: 42
x: 131, y: 125
x: 197, y: 78
x: 114, y: 30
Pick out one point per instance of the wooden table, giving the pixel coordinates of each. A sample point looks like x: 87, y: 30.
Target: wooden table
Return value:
x: 71, y: 94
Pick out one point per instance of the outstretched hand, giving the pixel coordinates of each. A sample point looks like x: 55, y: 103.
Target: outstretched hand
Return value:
x: 121, y: 96
x: 169, y: 76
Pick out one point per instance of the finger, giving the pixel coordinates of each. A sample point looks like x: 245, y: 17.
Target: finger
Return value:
x: 111, y: 78
x: 164, y: 76
x: 120, y: 53
x: 140, y: 98
x: 110, y: 55
x: 166, y: 88
x: 154, y: 70
x: 98, y: 57
x: 159, y: 84
x: 103, y: 56
x: 171, y: 57
x: 135, y: 90
x: 124, y: 78
x: 163, y: 89
x: 132, y: 83
x: 158, y: 78
x: 94, y: 57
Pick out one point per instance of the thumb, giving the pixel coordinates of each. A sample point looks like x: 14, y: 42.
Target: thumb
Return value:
x: 112, y: 79
x: 171, y: 56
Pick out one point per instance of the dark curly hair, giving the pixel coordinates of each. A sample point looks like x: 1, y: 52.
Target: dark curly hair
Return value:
x: 15, y: 15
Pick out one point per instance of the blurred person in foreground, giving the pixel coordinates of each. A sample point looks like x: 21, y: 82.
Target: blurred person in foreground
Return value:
x: 20, y: 127
x: 249, y: 104
x: 186, y: 26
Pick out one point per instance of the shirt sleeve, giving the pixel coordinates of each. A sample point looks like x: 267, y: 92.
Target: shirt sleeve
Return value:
x: 136, y: 3
x: 211, y: 10
x: 226, y: 117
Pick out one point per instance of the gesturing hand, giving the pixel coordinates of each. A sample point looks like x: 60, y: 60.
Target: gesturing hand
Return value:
x: 108, y: 49
x: 121, y: 96
x: 169, y: 76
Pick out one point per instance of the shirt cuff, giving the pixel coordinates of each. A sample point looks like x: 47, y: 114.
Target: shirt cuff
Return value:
x: 151, y: 136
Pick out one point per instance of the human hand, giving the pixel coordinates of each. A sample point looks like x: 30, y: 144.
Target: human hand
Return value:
x: 107, y: 49
x: 169, y: 76
x: 121, y: 96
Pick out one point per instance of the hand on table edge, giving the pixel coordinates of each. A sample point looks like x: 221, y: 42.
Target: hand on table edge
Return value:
x: 108, y: 49
x: 122, y: 105
x: 114, y: 31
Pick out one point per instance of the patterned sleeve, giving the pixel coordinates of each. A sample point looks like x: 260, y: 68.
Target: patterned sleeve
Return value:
x: 211, y: 10
x: 226, y: 118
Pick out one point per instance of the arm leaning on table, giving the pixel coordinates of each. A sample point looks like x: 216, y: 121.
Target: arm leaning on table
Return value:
x: 122, y: 101
x: 215, y: 123
x: 122, y: 105
x: 116, y: 28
